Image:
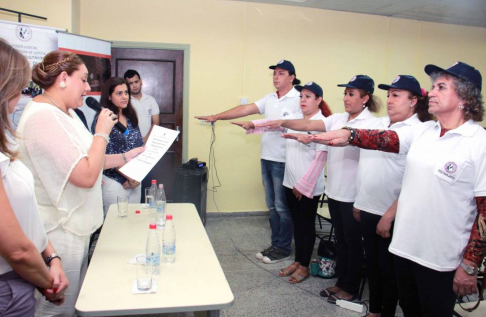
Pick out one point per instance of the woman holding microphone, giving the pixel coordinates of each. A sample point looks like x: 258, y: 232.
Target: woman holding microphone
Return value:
x: 66, y: 161
x: 303, y: 180
x: 440, y: 228
x: 342, y: 165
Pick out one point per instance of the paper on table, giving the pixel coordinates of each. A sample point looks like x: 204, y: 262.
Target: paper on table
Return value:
x: 158, y: 143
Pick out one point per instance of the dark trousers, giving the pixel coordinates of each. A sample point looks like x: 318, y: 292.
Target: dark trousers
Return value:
x: 423, y: 291
x: 304, y: 222
x: 348, y: 244
x: 379, y: 264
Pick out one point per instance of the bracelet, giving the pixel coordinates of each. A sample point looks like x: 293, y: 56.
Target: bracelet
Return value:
x: 124, y: 158
x: 352, y: 133
x: 103, y: 135
x: 51, y: 257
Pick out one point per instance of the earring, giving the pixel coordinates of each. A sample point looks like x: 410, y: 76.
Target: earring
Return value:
x: 364, y: 105
x: 411, y: 105
x: 62, y: 84
x: 461, y: 106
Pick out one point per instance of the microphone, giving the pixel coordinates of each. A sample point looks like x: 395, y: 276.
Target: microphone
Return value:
x: 95, y: 105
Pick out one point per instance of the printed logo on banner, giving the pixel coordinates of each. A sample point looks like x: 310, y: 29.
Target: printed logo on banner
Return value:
x: 24, y: 33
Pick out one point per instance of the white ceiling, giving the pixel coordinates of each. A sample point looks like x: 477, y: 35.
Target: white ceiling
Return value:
x: 463, y: 12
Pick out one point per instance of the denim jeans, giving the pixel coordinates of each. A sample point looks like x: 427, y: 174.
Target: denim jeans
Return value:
x: 280, y: 217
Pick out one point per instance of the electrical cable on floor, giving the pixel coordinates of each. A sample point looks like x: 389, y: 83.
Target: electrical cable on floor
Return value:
x: 212, y: 166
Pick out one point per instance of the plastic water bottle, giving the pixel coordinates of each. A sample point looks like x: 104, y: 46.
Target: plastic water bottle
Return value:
x: 152, y: 193
x: 169, y: 241
x: 161, y: 203
x: 152, y: 250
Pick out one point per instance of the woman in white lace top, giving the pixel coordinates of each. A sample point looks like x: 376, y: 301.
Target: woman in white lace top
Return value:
x: 66, y: 161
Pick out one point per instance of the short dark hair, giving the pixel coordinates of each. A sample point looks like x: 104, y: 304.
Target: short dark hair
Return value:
x: 131, y: 73
x: 105, y: 101
x: 295, y: 81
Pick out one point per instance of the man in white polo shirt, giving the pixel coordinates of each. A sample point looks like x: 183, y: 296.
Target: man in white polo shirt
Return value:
x: 277, y: 105
x: 145, y: 105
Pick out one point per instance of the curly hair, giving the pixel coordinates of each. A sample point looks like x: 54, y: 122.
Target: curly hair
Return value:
x: 468, y: 93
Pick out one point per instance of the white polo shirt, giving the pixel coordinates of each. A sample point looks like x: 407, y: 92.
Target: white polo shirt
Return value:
x: 342, y: 162
x: 380, y: 174
x: 273, y: 146
x: 146, y: 107
x: 437, y: 206
x: 300, y: 156
x: 19, y: 185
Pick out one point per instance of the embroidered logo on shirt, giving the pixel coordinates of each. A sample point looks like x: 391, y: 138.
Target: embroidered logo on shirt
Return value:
x: 450, y: 167
x: 396, y: 79
x: 285, y: 113
x: 149, y: 111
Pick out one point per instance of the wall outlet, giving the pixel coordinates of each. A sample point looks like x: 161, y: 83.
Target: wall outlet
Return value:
x: 243, y: 101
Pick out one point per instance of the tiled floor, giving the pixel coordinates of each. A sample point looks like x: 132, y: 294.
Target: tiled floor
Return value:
x: 257, y: 288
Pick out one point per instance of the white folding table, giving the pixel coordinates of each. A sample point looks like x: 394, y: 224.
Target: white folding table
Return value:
x: 195, y: 282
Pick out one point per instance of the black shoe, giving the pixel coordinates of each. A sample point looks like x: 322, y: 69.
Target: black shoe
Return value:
x: 275, y: 256
x: 261, y: 255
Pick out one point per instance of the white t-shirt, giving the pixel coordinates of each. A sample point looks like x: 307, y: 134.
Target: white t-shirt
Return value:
x: 19, y: 185
x: 437, y: 205
x: 146, y: 108
x: 380, y: 174
x: 300, y: 156
x: 273, y: 146
x: 342, y: 162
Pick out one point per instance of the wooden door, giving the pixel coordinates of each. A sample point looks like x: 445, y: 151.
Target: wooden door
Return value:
x: 162, y: 75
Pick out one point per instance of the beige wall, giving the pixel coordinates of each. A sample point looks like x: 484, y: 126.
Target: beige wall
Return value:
x: 233, y: 43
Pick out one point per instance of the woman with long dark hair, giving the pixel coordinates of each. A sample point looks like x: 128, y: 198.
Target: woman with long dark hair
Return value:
x: 115, y: 96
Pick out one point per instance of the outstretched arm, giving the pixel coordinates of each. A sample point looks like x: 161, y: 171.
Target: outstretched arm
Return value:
x: 381, y: 140
x: 234, y: 113
x: 297, y: 125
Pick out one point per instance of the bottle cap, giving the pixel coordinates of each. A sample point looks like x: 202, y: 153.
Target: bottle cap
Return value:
x: 154, y: 181
x: 168, y: 217
x: 153, y: 226
x: 137, y: 211
x: 161, y: 186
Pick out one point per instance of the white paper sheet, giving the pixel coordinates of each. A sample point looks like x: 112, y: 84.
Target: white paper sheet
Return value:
x: 158, y: 143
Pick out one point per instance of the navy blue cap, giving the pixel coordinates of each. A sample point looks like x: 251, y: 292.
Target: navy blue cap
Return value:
x: 284, y: 65
x: 361, y: 82
x: 459, y: 69
x: 405, y: 82
x: 312, y: 86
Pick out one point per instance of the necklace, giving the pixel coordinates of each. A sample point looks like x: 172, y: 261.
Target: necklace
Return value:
x: 55, y: 103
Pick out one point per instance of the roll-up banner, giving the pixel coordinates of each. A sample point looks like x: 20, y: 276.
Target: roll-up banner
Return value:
x: 34, y: 42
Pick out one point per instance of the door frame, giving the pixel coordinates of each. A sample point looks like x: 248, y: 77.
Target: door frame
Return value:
x: 185, y: 89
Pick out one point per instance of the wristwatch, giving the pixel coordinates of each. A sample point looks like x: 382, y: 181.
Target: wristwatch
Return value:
x: 352, y: 133
x: 471, y: 270
x: 51, y: 257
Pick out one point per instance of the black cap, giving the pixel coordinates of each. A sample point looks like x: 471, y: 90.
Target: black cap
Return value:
x: 361, y: 82
x: 405, y: 82
x: 312, y: 86
x: 284, y: 65
x: 459, y: 69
